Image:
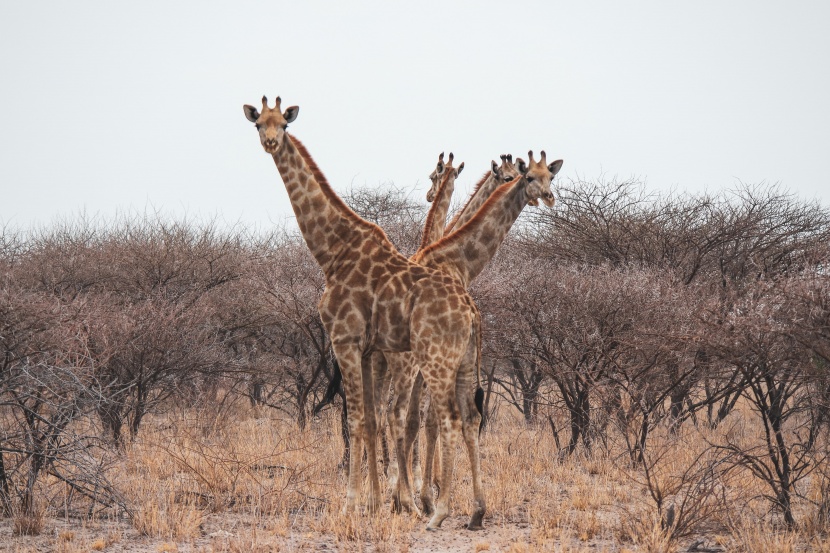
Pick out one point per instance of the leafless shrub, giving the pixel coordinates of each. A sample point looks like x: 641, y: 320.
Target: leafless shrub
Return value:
x: 394, y: 210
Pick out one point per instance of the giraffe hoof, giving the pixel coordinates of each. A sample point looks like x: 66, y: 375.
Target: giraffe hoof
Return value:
x: 476, y: 521
x: 472, y: 526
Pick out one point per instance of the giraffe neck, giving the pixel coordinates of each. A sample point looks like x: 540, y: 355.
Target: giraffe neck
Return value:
x: 328, y: 225
x: 483, y: 189
x: 469, y: 248
x: 437, y: 216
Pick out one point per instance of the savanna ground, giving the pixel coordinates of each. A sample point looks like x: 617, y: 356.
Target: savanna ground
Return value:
x: 240, y: 480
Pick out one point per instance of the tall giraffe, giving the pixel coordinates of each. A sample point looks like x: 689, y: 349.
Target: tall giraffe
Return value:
x: 375, y: 299
x: 388, y: 364
x: 464, y: 254
x: 440, y: 194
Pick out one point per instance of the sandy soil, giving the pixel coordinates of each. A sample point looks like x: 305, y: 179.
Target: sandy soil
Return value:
x: 231, y: 533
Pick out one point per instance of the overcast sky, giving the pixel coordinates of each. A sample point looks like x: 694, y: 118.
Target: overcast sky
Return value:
x: 112, y: 106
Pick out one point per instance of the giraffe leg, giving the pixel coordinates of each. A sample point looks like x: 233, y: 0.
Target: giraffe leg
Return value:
x: 449, y: 425
x: 466, y: 387
x: 417, y: 472
x: 404, y: 375
x: 349, y: 358
x: 413, y: 426
x: 431, y: 438
x: 371, y: 427
x: 381, y: 377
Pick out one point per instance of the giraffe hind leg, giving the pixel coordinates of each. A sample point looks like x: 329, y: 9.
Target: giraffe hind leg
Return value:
x: 471, y: 399
x: 404, y: 376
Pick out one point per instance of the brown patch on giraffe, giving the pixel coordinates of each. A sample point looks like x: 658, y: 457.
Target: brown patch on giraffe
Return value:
x: 356, y: 280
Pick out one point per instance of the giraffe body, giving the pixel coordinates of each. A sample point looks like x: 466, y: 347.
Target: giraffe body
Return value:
x: 375, y: 300
x: 464, y: 254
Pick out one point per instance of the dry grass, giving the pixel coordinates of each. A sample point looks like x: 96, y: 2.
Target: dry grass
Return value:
x: 250, y: 483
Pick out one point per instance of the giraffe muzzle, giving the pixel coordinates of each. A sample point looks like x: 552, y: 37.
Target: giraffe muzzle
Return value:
x: 270, y: 145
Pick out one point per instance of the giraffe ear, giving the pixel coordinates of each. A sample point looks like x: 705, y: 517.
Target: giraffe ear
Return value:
x: 291, y: 113
x: 494, y: 167
x: 555, y: 167
x: 521, y: 165
x: 460, y: 168
x: 251, y: 113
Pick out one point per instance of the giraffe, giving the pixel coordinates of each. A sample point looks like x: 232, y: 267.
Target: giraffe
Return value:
x: 439, y: 194
x: 387, y: 364
x: 497, y: 175
x: 376, y: 299
x: 464, y: 253
x: 463, y: 257
x: 434, y: 230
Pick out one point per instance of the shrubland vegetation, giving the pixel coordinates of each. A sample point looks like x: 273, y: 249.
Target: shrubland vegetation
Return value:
x: 657, y: 372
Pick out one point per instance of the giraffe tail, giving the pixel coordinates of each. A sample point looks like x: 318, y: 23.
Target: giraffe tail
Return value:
x: 332, y: 390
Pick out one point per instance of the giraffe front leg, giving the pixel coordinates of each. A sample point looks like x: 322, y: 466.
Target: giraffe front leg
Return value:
x: 349, y: 359
x: 371, y: 434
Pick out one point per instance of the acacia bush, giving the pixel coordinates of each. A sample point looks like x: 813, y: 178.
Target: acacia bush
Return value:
x: 615, y: 317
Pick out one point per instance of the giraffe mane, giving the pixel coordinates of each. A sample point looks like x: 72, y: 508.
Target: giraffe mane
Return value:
x: 331, y: 195
x: 430, y: 221
x: 459, y: 234
x: 461, y: 211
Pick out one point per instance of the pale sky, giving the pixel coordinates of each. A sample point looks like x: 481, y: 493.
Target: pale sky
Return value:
x: 113, y: 106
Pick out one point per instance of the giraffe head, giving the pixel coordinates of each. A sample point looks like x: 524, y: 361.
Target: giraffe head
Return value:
x: 505, y: 172
x: 440, y: 171
x: 538, y: 175
x: 271, y: 123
